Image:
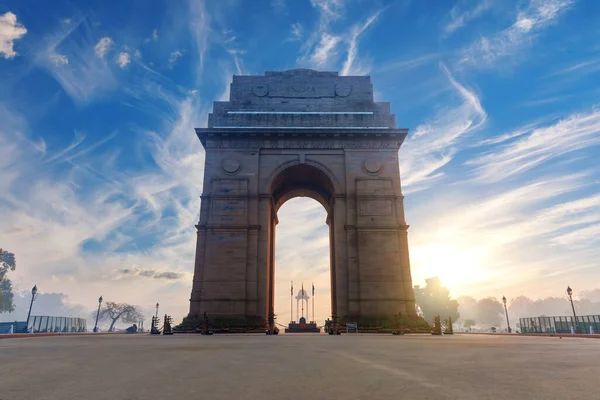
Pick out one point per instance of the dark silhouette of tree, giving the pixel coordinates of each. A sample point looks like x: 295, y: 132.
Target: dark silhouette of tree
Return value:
x: 489, y: 311
x: 469, y: 323
x: 7, y: 263
x: 114, y: 312
x: 434, y: 299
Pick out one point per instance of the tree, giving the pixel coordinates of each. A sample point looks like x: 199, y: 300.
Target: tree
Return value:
x: 114, y: 312
x: 467, y: 308
x: 489, y: 311
x: 469, y: 323
x: 434, y: 299
x: 7, y: 263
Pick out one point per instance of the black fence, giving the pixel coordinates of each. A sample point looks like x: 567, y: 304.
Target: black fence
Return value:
x: 561, y: 324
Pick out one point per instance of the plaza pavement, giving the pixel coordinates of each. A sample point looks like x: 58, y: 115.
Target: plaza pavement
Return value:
x: 299, y: 367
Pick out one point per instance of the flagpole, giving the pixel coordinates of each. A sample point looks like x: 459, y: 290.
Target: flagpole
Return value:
x: 313, y: 299
x: 302, y: 300
x: 292, y: 303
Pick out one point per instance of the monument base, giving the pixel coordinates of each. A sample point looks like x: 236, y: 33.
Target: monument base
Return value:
x: 302, y: 327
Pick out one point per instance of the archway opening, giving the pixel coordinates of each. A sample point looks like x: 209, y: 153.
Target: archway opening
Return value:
x: 302, y: 255
x: 302, y: 247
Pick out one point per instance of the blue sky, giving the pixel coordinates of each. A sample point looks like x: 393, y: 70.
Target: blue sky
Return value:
x: 101, y: 169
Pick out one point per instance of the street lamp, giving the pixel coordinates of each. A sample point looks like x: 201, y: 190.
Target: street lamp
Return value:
x: 506, y: 311
x: 98, y: 314
x: 33, y: 296
x: 156, y: 310
x: 570, y: 293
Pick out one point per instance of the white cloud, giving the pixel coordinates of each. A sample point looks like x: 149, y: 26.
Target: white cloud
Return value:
x: 459, y: 19
x: 538, y: 15
x: 539, y: 145
x: 330, y: 9
x: 175, y: 55
x: 349, y: 67
x: 59, y: 59
x: 199, y: 24
x: 123, y: 59
x: 80, y: 195
x: 10, y: 30
x: 297, y: 31
x: 155, y: 34
x: 324, y: 50
x: 88, y: 75
x: 433, y: 144
x: 319, y: 49
x: 103, y: 46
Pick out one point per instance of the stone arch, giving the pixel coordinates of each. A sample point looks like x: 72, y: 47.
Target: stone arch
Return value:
x: 302, y: 180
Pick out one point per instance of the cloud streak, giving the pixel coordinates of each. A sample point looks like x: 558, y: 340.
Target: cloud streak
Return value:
x: 537, y: 145
x: 434, y: 144
x: 536, y: 17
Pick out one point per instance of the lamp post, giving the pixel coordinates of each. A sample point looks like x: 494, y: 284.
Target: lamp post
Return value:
x: 156, y: 311
x: 98, y: 314
x: 506, y: 312
x: 570, y: 293
x: 33, y: 296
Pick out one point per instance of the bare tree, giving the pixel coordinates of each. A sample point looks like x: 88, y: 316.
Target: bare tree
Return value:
x: 114, y: 312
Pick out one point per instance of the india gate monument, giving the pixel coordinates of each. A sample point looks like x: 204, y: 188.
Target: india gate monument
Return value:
x: 301, y: 133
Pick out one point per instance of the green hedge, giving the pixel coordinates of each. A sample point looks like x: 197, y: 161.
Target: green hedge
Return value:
x: 222, y: 325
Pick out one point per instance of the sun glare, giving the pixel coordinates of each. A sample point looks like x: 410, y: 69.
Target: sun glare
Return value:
x: 456, y: 266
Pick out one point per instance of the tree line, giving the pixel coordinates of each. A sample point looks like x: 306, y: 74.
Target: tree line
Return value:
x: 434, y: 299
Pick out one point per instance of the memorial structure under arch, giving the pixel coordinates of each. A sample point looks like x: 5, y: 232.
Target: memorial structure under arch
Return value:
x: 301, y: 133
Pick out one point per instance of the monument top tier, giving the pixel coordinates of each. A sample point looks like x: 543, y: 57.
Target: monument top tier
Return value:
x: 301, y: 100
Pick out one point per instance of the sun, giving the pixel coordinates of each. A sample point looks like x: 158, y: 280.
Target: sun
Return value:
x: 457, y: 266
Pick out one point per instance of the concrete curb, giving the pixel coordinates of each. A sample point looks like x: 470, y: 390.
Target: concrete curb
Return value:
x: 564, y: 335
x: 44, y: 334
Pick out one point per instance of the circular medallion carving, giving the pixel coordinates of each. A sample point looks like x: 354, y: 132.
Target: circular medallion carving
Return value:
x: 260, y: 90
x: 231, y: 166
x: 372, y: 165
x: 343, y: 90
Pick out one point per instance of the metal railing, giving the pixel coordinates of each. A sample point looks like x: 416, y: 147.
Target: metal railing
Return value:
x: 584, y: 324
x: 56, y: 324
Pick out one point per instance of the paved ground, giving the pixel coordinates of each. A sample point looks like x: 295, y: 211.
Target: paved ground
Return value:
x: 299, y: 367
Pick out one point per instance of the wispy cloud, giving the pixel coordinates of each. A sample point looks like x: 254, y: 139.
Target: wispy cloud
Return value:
x: 174, y: 56
x: 408, y: 63
x: 537, y: 16
x: 10, y: 30
x: 322, y: 48
x: 59, y: 59
x: 297, y: 31
x: 433, y: 144
x: 103, y: 46
x: 128, y: 273
x: 459, y: 18
x: 123, y: 59
x: 539, y: 145
x: 582, y: 68
x: 200, y: 28
x: 86, y: 74
x: 325, y: 49
x: 349, y: 67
